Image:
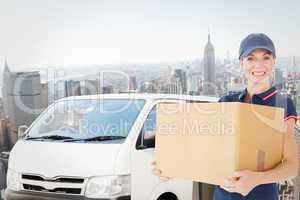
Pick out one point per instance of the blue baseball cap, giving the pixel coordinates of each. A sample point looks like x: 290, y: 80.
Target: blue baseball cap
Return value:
x: 256, y: 41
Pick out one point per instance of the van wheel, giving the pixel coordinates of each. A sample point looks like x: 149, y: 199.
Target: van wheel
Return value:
x: 2, y: 176
x: 167, y: 196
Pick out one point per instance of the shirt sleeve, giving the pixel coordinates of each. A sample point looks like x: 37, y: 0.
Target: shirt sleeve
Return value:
x: 290, y: 110
x: 224, y: 99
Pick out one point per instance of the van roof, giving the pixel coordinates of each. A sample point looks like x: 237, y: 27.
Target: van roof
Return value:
x: 146, y: 96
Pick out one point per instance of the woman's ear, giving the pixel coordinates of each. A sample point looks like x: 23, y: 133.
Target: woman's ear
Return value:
x: 241, y: 62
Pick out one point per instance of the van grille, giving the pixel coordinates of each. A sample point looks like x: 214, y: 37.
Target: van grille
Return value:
x: 64, y: 180
x: 56, y: 190
x: 63, y: 185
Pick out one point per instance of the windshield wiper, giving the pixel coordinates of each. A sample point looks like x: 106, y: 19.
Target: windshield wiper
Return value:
x: 98, y: 138
x: 50, y: 137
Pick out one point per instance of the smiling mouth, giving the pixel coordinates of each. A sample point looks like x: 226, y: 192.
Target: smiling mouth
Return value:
x: 258, y: 73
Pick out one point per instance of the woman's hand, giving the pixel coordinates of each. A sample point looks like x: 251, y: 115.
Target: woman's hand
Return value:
x: 157, y: 172
x: 241, y: 182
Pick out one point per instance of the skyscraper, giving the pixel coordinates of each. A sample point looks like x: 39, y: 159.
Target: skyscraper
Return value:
x: 278, y: 78
x: 4, y: 83
x: 192, y: 81
x: 177, y: 83
x: 21, y: 96
x: 68, y: 88
x: 44, y: 95
x: 89, y: 87
x: 132, y: 86
x: 209, y: 71
x: 180, y: 75
x: 76, y: 91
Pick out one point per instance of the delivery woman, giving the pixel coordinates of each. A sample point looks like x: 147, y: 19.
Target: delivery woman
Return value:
x: 257, y: 58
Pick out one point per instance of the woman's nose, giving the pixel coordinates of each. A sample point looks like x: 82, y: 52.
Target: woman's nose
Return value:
x: 258, y: 64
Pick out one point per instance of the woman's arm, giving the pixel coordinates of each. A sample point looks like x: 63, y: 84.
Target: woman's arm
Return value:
x: 244, y: 181
x: 288, y: 169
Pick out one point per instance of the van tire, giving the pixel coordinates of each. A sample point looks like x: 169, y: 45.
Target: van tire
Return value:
x: 2, y: 175
x: 167, y: 196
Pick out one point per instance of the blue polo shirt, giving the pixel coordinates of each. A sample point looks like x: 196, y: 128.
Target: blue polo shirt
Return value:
x: 274, y: 98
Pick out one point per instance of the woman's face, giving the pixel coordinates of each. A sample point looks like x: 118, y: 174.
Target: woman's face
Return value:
x: 258, y: 66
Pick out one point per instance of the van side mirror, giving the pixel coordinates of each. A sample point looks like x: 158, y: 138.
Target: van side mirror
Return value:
x: 140, y: 141
x: 145, y: 140
x: 146, y: 137
x: 21, y: 130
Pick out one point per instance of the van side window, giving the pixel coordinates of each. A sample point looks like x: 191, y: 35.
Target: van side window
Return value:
x: 148, y: 131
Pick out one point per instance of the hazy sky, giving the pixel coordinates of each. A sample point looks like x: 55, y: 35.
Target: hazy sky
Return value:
x: 80, y: 32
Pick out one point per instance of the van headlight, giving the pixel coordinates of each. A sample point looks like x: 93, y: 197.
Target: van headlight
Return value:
x: 108, y: 186
x: 13, y: 180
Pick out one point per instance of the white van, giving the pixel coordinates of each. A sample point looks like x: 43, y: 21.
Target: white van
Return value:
x: 94, y: 147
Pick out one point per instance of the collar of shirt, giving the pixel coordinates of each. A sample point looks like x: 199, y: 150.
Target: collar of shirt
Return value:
x: 264, y: 95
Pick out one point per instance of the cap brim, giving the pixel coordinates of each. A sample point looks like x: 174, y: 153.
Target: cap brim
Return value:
x: 250, y: 50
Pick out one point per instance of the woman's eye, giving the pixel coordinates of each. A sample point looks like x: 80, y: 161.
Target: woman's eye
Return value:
x: 267, y: 58
x: 249, y: 58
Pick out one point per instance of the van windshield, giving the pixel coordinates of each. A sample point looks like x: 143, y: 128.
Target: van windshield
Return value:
x: 87, y: 118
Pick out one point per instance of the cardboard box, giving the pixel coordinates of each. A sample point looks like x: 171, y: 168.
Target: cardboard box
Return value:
x: 206, y: 142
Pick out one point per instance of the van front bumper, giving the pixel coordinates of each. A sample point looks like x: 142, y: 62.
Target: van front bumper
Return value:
x: 23, y: 195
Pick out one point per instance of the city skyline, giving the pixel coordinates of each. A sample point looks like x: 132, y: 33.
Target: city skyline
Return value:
x: 67, y: 33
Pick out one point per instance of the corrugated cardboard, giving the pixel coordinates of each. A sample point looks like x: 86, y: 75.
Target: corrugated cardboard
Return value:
x: 206, y: 142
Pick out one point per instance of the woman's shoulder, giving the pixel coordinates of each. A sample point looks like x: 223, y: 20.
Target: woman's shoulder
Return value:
x: 285, y: 101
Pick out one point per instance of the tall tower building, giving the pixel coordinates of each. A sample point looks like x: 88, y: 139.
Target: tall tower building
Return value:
x: 278, y: 78
x: 132, y: 86
x: 180, y: 75
x: 177, y: 82
x: 5, y: 82
x: 209, y: 69
x: 89, y: 87
x: 21, y: 96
